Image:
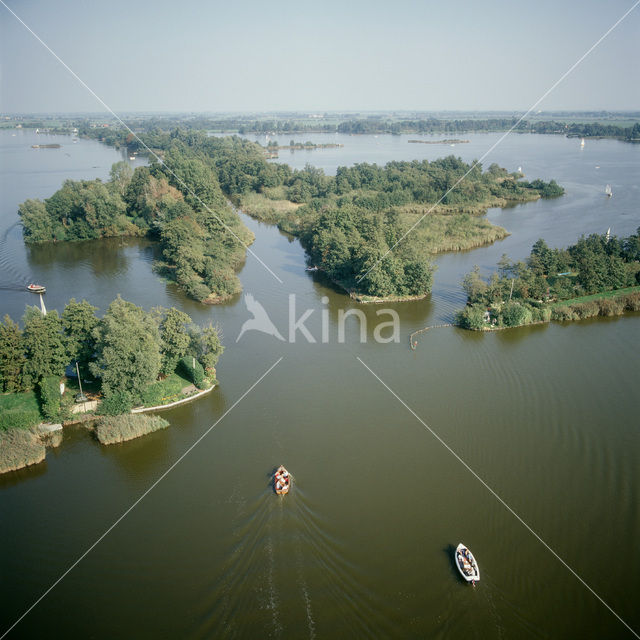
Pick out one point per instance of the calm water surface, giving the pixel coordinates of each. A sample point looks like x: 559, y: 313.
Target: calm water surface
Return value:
x: 547, y: 416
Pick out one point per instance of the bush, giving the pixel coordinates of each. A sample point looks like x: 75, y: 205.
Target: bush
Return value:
x: 585, y: 309
x: 194, y: 373
x: 514, y: 314
x: 116, y: 403
x: 18, y: 419
x: 472, y: 317
x: 540, y: 314
x: 49, y: 389
x: 611, y: 306
x: 562, y: 314
x: 632, y: 301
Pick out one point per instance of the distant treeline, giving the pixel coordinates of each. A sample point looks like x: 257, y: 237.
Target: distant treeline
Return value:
x: 348, y: 124
x: 381, y: 126
x: 524, y: 292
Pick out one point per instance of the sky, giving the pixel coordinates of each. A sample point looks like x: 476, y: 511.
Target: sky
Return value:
x: 327, y: 55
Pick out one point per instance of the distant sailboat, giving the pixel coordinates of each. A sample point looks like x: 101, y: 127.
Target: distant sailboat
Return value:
x: 519, y: 169
x: 608, y: 236
x: 608, y: 191
x: 582, y: 142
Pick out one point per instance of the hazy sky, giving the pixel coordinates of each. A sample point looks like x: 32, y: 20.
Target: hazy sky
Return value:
x: 267, y: 55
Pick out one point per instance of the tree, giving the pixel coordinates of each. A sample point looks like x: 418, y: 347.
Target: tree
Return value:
x: 175, y: 339
x: 36, y: 223
x: 127, y: 348
x: 474, y: 286
x: 43, y: 345
x: 206, y: 346
x: 79, y: 321
x: 11, y: 356
x: 49, y: 389
x: 121, y: 174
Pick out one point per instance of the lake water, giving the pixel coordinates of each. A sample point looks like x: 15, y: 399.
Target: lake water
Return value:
x: 546, y: 416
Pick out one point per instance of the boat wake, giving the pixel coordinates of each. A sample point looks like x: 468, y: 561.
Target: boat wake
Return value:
x: 280, y: 561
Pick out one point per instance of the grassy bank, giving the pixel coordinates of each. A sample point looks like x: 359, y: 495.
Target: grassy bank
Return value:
x: 597, y: 296
x: 20, y: 448
x: 271, y: 210
x: 114, y: 429
x: 607, y: 304
x: 172, y: 388
x: 518, y: 314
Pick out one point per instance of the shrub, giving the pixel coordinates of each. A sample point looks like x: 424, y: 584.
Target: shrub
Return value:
x: 18, y: 419
x: 632, y: 301
x: 611, y: 306
x: 585, y: 309
x: 562, y: 314
x: 50, y: 397
x: 192, y: 370
x: 116, y: 403
x: 472, y: 317
x: 514, y: 314
x: 540, y: 314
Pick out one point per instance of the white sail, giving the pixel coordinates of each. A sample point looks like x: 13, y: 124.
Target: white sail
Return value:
x: 608, y: 191
x: 582, y: 142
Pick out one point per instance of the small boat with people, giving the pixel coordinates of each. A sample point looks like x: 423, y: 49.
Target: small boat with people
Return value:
x: 314, y: 268
x: 467, y: 565
x: 36, y: 288
x: 281, y: 481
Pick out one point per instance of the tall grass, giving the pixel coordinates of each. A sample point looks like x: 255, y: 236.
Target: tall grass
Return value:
x: 112, y: 429
x: 19, y: 448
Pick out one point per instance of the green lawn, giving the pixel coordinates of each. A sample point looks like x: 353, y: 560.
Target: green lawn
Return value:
x: 19, y: 410
x: 164, y: 391
x: 596, y: 296
x: 25, y: 401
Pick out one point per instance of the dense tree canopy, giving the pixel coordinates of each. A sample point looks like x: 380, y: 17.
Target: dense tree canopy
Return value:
x: 347, y: 222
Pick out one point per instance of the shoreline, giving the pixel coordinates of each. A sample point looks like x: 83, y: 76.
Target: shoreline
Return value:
x: 175, y: 403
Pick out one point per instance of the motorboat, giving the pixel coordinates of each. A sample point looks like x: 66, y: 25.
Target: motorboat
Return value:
x: 36, y: 288
x: 467, y: 565
x: 281, y: 481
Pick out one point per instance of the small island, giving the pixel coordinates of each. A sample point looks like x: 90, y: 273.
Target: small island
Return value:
x: 597, y: 276
x: 273, y: 147
x: 130, y: 361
